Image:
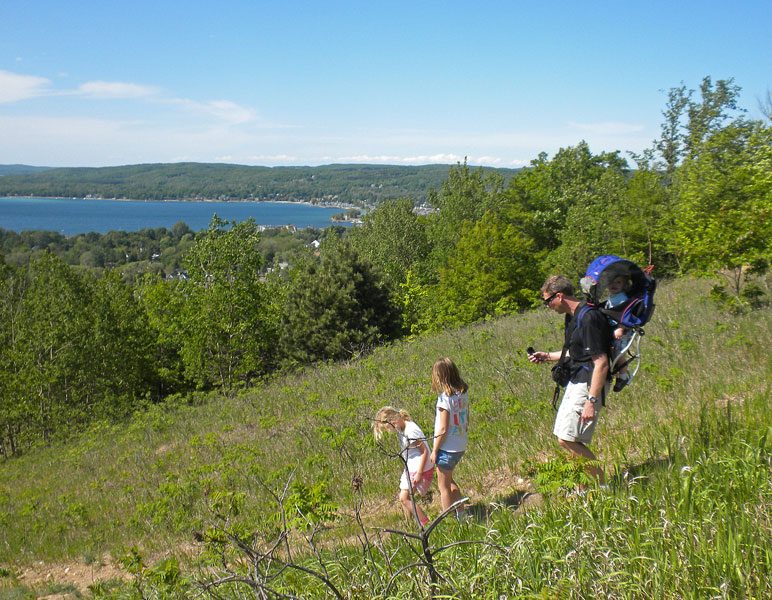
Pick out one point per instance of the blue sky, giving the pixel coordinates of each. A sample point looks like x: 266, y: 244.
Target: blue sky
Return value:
x: 100, y: 83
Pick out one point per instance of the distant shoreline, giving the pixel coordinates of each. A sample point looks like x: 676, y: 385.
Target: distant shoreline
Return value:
x: 232, y: 201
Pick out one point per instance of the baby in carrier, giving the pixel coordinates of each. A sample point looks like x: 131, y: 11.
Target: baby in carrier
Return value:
x: 617, y: 295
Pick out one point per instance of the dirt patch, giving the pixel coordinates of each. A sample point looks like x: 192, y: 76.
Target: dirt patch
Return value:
x: 78, y: 575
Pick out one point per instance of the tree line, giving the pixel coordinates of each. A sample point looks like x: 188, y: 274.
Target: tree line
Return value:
x: 80, y: 344
x: 354, y: 184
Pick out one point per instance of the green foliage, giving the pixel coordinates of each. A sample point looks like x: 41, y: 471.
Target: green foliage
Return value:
x: 465, y: 197
x: 227, y: 319
x: 562, y: 473
x: 162, y: 581
x: 725, y: 205
x: 393, y: 239
x: 336, y: 307
x: 545, y: 192
x: 307, y: 505
x: 76, y: 349
x: 132, y: 253
x: 364, y: 184
x: 492, y: 272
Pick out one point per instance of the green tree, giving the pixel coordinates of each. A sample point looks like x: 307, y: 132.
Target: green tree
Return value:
x: 594, y: 226
x: 689, y: 123
x: 465, y: 197
x: 336, y: 307
x: 163, y: 304
x: 120, y: 349
x: 544, y: 193
x: 493, y: 271
x: 228, y: 321
x: 393, y: 238
x: 724, y: 213
x: 52, y: 331
x: 645, y: 216
x: 13, y: 412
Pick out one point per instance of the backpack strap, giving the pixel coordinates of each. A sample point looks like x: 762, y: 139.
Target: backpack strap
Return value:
x: 583, y: 310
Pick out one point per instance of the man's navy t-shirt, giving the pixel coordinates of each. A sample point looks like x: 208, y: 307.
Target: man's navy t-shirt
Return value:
x: 594, y: 336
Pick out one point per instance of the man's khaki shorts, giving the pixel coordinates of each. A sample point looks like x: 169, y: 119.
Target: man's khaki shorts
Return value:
x: 568, y: 422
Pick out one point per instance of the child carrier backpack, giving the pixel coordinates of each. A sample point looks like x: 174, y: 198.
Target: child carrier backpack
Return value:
x: 632, y: 314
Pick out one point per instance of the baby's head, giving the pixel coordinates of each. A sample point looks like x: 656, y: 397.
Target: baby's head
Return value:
x: 620, y: 283
x: 386, y: 418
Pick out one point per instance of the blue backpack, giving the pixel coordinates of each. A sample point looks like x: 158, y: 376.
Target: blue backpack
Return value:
x: 632, y: 314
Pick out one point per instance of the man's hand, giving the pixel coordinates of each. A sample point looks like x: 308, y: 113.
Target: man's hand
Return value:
x: 588, y: 413
x: 539, y: 357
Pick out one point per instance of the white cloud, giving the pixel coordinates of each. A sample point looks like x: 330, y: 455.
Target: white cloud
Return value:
x: 115, y: 90
x: 275, y: 158
x: 429, y: 159
x: 409, y: 160
x: 15, y: 87
x: 223, y: 110
x: 230, y: 112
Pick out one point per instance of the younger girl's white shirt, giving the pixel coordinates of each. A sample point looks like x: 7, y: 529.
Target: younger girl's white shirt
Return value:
x: 458, y: 422
x: 412, y: 454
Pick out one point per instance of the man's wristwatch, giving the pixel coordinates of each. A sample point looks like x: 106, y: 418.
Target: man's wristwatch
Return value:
x: 592, y: 399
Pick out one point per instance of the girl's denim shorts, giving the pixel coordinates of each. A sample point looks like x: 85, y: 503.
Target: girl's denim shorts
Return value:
x: 448, y: 460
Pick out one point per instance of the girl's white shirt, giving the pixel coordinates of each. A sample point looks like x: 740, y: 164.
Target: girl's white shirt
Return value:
x: 413, y: 433
x: 458, y: 422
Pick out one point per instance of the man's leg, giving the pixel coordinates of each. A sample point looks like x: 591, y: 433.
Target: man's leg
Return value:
x: 580, y: 450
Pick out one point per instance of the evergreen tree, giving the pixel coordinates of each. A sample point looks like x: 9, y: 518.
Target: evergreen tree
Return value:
x: 336, y: 307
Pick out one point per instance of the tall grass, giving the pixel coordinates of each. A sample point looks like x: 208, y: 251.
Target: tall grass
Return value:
x: 685, y: 446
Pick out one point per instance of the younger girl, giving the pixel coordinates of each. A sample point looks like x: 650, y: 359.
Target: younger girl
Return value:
x: 451, y: 425
x: 415, y: 450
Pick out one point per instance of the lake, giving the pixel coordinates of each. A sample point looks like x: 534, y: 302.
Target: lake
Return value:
x: 71, y: 216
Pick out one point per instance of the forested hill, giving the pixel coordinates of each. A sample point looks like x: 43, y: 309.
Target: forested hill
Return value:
x: 357, y: 184
x: 20, y: 169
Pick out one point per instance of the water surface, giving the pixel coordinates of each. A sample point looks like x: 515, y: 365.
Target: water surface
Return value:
x: 71, y: 216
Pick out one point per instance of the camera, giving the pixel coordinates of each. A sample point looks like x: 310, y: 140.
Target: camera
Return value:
x: 529, y: 350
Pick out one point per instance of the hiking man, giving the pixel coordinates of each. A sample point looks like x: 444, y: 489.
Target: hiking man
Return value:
x: 587, y: 355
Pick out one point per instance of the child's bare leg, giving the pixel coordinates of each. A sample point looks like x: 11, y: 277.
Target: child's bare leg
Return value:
x: 407, y: 506
x: 446, y: 484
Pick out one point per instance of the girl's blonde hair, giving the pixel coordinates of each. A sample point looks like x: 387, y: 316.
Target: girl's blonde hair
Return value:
x: 384, y: 417
x: 446, y: 378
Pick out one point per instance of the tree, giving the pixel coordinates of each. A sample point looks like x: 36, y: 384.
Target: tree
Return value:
x: 392, y: 238
x: 645, y: 217
x: 493, y: 271
x: 120, y: 349
x: 544, y: 193
x: 689, y: 123
x: 163, y: 304
x: 228, y: 321
x: 724, y: 212
x: 336, y: 307
x: 13, y: 413
x: 465, y: 197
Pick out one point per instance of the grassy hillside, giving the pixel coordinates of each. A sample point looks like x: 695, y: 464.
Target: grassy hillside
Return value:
x: 699, y: 412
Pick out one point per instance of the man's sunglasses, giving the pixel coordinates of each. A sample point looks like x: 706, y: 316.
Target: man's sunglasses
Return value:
x: 550, y: 299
